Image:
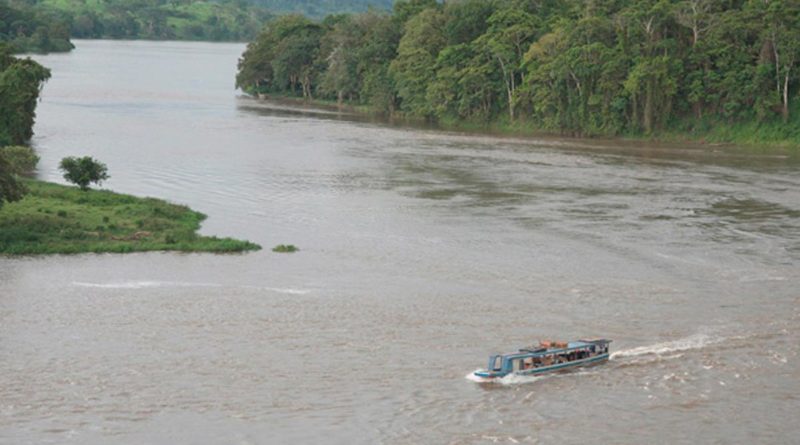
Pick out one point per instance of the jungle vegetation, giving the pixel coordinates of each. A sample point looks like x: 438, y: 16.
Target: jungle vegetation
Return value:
x: 21, y: 81
x: 718, y: 69
x: 47, y: 25
x: 227, y: 20
x: 27, y: 29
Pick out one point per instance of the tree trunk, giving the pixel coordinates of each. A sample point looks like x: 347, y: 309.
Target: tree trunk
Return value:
x: 306, y: 82
x: 511, y: 107
x: 777, y: 66
x: 509, y: 87
x: 648, y: 106
x: 786, y: 96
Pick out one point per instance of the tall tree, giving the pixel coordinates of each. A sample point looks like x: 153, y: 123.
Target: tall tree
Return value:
x: 413, y: 68
x: 510, y: 34
x: 21, y: 81
x: 781, y: 25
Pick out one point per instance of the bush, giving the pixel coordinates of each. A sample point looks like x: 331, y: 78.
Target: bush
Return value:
x: 21, y: 160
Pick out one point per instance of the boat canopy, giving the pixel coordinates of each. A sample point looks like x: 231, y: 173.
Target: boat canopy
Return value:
x: 537, y: 351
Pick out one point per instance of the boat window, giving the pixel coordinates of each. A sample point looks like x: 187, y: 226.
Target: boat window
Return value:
x: 516, y: 363
x: 498, y: 363
x: 527, y: 363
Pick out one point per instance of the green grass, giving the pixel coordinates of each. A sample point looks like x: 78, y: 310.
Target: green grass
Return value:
x: 285, y: 248
x: 57, y: 219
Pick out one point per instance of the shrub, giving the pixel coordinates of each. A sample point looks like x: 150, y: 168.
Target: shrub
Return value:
x: 22, y: 160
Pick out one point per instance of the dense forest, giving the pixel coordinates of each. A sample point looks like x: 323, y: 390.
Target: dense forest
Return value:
x: 226, y: 20
x: 592, y: 67
x: 46, y: 25
x: 29, y: 29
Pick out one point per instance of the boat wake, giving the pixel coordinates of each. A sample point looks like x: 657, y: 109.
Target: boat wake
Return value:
x: 670, y: 348
x: 639, y: 355
x: 511, y: 379
x: 167, y: 284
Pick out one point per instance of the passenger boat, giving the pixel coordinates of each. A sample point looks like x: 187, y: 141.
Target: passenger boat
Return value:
x: 548, y: 356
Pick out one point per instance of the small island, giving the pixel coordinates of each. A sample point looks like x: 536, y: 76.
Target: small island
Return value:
x: 53, y: 218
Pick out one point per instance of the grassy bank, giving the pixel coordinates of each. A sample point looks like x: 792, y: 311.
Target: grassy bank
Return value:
x: 57, y: 219
x: 769, y: 136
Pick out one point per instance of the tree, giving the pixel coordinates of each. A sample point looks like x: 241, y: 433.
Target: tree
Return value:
x: 583, y: 67
x: 782, y: 31
x: 653, y: 78
x: 466, y: 19
x: 283, y: 57
x: 15, y: 161
x: 404, y: 10
x: 375, y: 52
x: 510, y: 34
x: 21, y: 81
x: 83, y: 171
x: 341, y: 76
x: 413, y: 68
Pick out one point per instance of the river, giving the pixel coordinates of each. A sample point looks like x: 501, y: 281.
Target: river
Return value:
x: 422, y: 252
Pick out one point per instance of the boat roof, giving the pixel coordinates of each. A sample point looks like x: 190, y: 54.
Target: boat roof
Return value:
x: 595, y: 340
x: 570, y: 346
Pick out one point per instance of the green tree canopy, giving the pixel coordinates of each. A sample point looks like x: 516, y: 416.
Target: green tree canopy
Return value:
x: 83, y: 171
x: 21, y: 81
x: 578, y: 67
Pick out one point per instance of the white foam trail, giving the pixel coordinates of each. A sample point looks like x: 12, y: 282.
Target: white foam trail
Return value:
x: 510, y: 379
x: 474, y: 378
x: 156, y: 284
x: 280, y: 290
x: 516, y: 379
x: 697, y: 341
x: 288, y: 291
x: 138, y: 284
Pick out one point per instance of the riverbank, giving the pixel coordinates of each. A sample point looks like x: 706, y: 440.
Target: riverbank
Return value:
x: 769, y: 137
x: 54, y: 219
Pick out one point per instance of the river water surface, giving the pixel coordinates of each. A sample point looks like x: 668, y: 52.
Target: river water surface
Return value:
x: 422, y: 252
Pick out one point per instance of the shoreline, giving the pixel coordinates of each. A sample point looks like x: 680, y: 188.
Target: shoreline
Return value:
x: 519, y: 130
x: 59, y: 219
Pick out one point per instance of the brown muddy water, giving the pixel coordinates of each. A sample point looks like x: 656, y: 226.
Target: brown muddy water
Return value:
x: 422, y: 253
